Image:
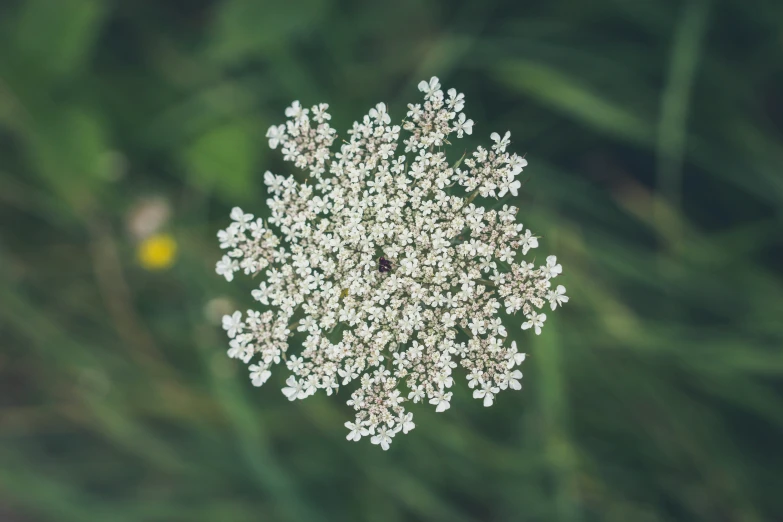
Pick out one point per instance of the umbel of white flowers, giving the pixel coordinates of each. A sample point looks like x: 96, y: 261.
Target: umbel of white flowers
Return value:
x: 386, y: 265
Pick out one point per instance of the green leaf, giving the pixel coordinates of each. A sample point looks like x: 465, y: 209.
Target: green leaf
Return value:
x: 224, y: 158
x: 245, y: 28
x: 57, y: 36
x: 570, y: 97
x: 67, y: 147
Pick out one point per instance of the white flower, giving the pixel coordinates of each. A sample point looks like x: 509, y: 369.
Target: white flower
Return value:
x: 514, y: 358
x: 276, y: 134
x: 417, y: 394
x: 226, y: 267
x: 383, y: 437
x: 356, y: 432
x: 442, y: 401
x: 319, y: 113
x: 500, y: 143
x: 456, y: 102
x: 513, y: 185
x: 240, y: 217
x: 233, y: 324
x: 535, y: 321
x: 552, y: 268
x: 296, y: 111
x: 259, y: 374
x: 512, y: 379
x: 227, y: 238
x: 506, y: 255
x: 517, y: 165
x: 557, y: 297
x: 430, y: 89
x: 236, y: 346
x: 379, y: 113
x: 463, y: 125
x: 528, y: 241
x: 486, y: 392
x: 275, y: 183
x: 474, y: 213
x: 390, y: 265
x: 476, y: 326
x: 347, y: 375
x: 295, y: 389
x: 448, y: 320
x: 406, y: 422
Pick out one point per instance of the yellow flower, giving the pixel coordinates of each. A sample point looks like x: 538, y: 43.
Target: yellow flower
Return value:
x: 157, y: 252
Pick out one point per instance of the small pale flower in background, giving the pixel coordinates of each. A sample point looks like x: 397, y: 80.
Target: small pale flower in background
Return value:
x: 217, y: 307
x: 147, y: 217
x: 388, y: 263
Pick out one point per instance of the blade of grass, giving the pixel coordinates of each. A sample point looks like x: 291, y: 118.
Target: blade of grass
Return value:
x: 559, y: 449
x: 565, y: 94
x: 672, y: 124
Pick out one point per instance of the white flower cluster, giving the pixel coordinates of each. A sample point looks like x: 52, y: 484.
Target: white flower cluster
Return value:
x: 386, y: 266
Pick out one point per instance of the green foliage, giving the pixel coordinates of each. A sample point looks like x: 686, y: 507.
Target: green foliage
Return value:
x: 653, y: 131
x: 230, y: 147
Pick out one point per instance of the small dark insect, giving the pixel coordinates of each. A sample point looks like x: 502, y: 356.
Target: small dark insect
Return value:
x: 384, y: 265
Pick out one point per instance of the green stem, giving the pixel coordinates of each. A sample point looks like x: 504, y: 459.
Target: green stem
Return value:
x: 486, y: 283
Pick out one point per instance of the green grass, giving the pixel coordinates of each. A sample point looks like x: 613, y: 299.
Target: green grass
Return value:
x: 653, y: 131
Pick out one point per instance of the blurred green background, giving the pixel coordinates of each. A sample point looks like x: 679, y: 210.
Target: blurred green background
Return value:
x: 654, y: 131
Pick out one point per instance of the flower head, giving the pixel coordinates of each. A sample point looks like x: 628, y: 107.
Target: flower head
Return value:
x: 157, y: 252
x: 386, y: 266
